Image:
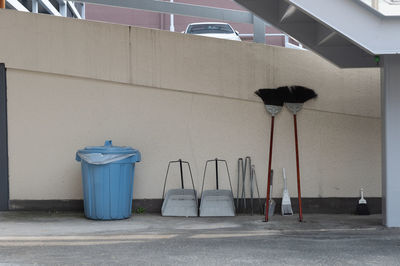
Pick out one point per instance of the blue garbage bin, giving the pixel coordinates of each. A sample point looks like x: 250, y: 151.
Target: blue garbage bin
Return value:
x: 107, y: 177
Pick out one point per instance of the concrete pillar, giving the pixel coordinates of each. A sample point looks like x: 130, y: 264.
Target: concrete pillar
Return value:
x: 259, y: 30
x: 390, y: 96
x: 83, y: 10
x: 35, y: 6
x: 62, y: 8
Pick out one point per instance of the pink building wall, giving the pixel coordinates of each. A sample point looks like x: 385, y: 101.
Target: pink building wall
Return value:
x: 161, y: 21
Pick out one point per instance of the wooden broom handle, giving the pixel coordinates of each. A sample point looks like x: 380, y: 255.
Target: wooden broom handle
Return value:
x: 298, y: 167
x: 269, y: 167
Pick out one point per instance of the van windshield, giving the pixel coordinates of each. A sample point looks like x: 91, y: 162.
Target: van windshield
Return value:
x: 209, y: 28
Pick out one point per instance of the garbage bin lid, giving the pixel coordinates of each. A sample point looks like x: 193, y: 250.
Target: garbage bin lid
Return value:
x: 108, y: 148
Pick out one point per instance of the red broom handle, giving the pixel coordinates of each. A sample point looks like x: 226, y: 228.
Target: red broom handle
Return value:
x: 298, y: 167
x: 269, y: 167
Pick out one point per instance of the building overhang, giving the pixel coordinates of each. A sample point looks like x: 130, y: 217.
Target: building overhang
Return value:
x: 346, y: 32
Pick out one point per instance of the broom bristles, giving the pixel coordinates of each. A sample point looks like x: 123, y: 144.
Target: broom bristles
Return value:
x: 287, y: 209
x: 362, y: 209
x: 271, y: 96
x: 297, y: 94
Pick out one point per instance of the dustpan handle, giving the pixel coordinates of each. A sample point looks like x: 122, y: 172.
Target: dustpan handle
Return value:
x: 165, y: 180
x: 204, y: 177
x: 240, y: 173
x: 229, y: 176
x: 194, y: 189
x: 180, y: 167
x: 216, y: 171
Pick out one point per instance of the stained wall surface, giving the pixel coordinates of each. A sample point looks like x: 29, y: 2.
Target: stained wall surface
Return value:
x: 177, y: 96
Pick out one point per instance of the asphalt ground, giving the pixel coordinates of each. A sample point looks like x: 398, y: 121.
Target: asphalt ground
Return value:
x: 71, y: 239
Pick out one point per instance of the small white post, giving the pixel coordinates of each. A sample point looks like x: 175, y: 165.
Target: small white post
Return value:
x: 286, y: 40
x: 171, y: 19
x: 35, y: 6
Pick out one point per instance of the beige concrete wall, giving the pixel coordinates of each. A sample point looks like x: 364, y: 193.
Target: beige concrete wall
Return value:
x: 177, y: 96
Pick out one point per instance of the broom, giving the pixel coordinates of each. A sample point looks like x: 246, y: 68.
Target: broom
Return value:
x: 295, y: 97
x: 286, y: 206
x: 273, y: 100
x: 272, y: 202
x: 362, y: 206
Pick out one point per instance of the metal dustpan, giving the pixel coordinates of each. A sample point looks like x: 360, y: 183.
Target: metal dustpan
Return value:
x: 218, y: 202
x: 180, y: 202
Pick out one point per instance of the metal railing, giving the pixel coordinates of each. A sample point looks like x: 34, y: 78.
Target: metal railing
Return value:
x: 287, y: 43
x: 77, y: 10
